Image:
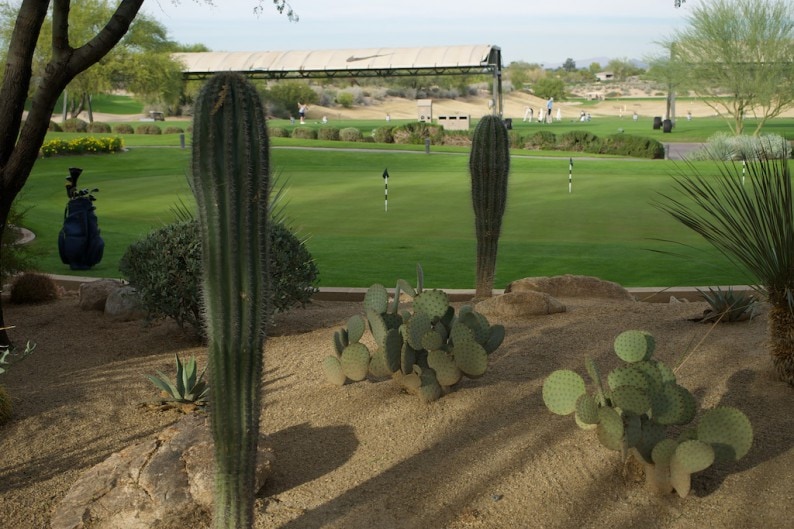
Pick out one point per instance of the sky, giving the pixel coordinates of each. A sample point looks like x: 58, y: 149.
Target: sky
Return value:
x: 532, y: 31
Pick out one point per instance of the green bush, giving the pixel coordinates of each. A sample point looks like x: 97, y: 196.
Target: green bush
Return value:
x: 123, y: 128
x: 515, y: 139
x: 350, y: 134
x: 99, y: 127
x: 416, y: 133
x: 174, y: 130
x: 542, y: 139
x: 345, y: 99
x: 74, y: 125
x: 578, y: 140
x: 460, y: 138
x: 304, y: 134
x: 16, y: 257
x: 383, y: 135
x: 636, y: 146
x: 54, y: 127
x: 277, y: 132
x: 148, y: 129
x: 328, y: 133
x: 165, y: 267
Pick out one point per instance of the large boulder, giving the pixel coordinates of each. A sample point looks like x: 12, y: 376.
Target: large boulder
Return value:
x: 166, y: 481
x: 571, y: 286
x: 125, y: 304
x: 519, y: 305
x: 94, y: 294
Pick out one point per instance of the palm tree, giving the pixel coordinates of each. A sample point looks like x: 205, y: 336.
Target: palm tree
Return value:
x: 754, y: 228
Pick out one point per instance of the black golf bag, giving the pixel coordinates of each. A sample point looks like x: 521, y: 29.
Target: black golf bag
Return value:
x: 79, y: 243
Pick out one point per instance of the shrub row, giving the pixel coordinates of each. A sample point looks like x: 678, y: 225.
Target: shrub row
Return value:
x: 78, y: 125
x: 87, y: 145
x: 581, y: 141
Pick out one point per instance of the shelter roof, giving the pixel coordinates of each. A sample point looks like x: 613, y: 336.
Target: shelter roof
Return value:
x: 363, y: 62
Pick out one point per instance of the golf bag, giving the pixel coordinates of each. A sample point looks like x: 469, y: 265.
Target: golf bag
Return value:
x: 79, y: 243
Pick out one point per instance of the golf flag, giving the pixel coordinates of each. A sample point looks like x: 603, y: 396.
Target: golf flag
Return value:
x: 385, y: 190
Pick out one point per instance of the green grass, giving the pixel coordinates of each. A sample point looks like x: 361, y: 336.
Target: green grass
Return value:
x: 605, y: 227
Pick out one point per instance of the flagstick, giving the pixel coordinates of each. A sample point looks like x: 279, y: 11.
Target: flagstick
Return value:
x: 570, y: 174
x: 385, y: 190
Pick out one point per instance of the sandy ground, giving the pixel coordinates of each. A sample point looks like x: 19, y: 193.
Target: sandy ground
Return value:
x: 367, y: 455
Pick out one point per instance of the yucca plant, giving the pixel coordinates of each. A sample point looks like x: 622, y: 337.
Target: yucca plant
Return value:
x: 752, y: 224
x: 188, y: 387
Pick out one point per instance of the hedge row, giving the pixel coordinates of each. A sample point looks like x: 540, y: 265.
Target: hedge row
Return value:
x: 88, y: 145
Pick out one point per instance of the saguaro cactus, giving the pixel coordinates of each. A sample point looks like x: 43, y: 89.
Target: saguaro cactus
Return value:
x: 489, y: 165
x: 230, y: 179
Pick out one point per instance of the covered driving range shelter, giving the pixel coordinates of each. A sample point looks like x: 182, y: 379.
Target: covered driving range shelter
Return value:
x: 352, y: 63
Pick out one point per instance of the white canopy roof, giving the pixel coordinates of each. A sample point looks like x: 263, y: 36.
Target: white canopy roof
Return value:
x: 364, y: 62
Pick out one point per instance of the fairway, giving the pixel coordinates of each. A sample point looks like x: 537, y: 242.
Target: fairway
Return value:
x: 605, y: 227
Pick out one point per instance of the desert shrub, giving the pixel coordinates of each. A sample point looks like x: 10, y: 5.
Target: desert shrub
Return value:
x: 277, y: 132
x: 515, y: 139
x: 328, y: 133
x: 74, y: 125
x: 32, y: 287
x: 99, y: 127
x: 383, y: 135
x: 123, y: 128
x: 304, y: 134
x: 54, y: 127
x: 578, y: 140
x: 345, y: 99
x: 636, y: 146
x: 542, y: 139
x: 726, y: 147
x: 350, y: 134
x: 148, y: 129
x: 458, y: 138
x: 174, y: 130
x: 416, y: 133
x: 165, y: 267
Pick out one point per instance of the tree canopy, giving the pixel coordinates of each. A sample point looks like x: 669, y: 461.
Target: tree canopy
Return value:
x: 738, y: 57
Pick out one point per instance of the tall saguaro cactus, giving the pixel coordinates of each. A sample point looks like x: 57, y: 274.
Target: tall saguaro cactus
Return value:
x: 230, y: 179
x: 489, y: 165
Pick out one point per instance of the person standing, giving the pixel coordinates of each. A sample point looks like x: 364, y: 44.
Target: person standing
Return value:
x: 549, y: 104
x: 302, y: 108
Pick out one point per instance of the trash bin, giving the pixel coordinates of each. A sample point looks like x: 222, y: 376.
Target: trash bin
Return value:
x: 657, y: 122
x: 509, y: 123
x: 667, y: 126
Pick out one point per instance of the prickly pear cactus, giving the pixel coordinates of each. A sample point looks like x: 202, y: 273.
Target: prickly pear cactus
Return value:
x: 631, y: 412
x: 426, y: 351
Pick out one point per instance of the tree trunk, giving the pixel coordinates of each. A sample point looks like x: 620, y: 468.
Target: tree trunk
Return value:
x: 19, y: 145
x: 781, y: 333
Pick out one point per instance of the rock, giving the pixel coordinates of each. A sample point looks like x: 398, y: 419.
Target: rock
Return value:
x: 571, y: 286
x: 124, y: 304
x: 519, y: 305
x: 153, y: 483
x: 94, y: 294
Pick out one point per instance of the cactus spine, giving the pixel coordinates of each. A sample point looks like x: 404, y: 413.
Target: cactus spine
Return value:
x: 489, y: 165
x: 230, y: 179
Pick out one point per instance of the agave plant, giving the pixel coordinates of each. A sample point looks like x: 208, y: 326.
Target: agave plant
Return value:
x: 727, y: 305
x: 188, y: 386
x: 753, y: 226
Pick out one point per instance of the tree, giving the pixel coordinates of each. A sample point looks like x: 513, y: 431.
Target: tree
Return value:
x: 740, y: 58
x: 623, y: 69
x: 569, y: 65
x: 65, y: 59
x: 549, y: 87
